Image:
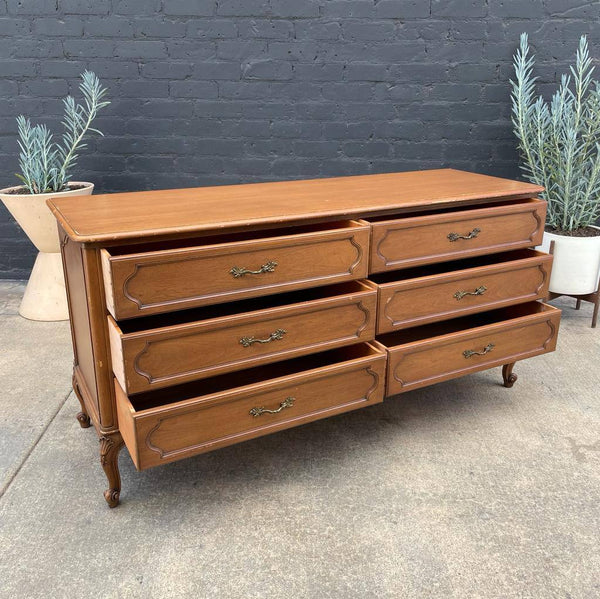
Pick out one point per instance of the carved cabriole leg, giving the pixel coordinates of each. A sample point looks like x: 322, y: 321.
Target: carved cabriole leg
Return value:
x: 507, y: 374
x: 110, y: 446
x: 83, y: 417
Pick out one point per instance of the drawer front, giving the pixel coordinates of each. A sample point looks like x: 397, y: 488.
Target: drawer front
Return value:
x: 162, y: 281
x: 413, y: 302
x: 423, y: 363
x: 164, y: 434
x: 172, y: 355
x: 412, y: 241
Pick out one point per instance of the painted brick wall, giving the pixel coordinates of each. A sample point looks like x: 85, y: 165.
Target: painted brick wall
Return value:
x: 214, y: 92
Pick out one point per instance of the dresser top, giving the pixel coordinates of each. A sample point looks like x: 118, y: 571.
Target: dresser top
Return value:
x: 178, y: 212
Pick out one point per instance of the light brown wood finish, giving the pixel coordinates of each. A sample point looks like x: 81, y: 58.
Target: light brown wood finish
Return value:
x: 183, y: 212
x: 412, y: 241
x: 498, y: 281
x: 353, y: 378
x: 161, y: 281
x: 110, y: 446
x: 435, y: 353
x: 171, y: 267
x: 173, y: 354
x: 92, y: 375
x: 83, y: 352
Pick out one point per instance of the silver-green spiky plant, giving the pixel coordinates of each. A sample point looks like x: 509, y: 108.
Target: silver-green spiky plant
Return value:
x: 559, y: 141
x: 46, y: 165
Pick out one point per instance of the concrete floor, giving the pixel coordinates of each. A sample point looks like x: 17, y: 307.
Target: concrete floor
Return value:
x: 463, y: 490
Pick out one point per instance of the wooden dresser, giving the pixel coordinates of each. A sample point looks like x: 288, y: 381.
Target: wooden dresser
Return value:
x: 206, y: 317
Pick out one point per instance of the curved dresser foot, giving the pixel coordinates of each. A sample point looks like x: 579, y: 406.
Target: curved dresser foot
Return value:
x: 110, y: 446
x: 82, y: 417
x: 510, y: 378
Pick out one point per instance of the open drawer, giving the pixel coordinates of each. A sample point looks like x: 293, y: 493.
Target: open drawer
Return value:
x: 437, y: 352
x: 171, y: 424
x: 418, y: 296
x: 455, y: 234
x: 141, y: 280
x: 169, y: 349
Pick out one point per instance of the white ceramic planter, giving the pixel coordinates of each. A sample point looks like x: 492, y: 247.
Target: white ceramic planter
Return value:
x: 45, y: 297
x: 576, y: 265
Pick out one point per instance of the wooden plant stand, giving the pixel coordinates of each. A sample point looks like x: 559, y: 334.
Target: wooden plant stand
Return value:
x: 593, y: 298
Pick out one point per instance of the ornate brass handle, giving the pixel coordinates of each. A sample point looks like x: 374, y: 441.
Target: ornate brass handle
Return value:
x: 274, y: 336
x: 479, y: 291
x: 288, y: 402
x: 238, y: 271
x: 471, y: 352
x: 471, y: 235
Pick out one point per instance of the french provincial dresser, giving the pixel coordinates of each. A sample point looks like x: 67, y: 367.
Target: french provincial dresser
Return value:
x: 206, y: 317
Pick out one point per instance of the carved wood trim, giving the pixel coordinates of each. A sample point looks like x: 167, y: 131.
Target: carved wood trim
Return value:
x: 136, y: 363
x: 544, y: 271
x: 110, y: 446
x: 484, y: 364
x: 137, y: 266
x: 260, y: 358
x: 533, y: 212
x: 375, y: 384
x: 483, y: 305
x: 169, y: 453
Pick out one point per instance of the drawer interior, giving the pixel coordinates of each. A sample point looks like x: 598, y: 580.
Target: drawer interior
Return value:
x: 444, y: 267
x: 183, y: 317
x: 458, y: 325
x: 157, y: 246
x: 219, y: 384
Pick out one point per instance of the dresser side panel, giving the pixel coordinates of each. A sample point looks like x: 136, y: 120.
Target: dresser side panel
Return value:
x: 80, y: 319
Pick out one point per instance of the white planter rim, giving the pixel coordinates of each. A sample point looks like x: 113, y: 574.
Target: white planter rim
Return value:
x: 33, y: 215
x: 7, y: 191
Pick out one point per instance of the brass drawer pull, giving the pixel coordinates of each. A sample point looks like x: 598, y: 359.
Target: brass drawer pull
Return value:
x: 479, y: 291
x: 238, y: 271
x: 274, y: 336
x: 288, y: 402
x: 471, y: 235
x: 471, y: 352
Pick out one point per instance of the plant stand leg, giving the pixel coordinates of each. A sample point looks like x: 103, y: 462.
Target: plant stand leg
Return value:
x: 82, y: 417
x: 110, y: 446
x: 510, y: 378
x: 578, y: 304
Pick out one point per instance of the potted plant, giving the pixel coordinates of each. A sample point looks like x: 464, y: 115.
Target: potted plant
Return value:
x: 46, y: 168
x: 559, y: 143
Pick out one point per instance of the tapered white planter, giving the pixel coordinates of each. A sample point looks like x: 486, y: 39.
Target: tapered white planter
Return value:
x: 576, y: 265
x: 45, y: 296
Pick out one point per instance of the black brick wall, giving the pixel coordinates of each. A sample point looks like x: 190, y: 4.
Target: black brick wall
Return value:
x: 213, y: 92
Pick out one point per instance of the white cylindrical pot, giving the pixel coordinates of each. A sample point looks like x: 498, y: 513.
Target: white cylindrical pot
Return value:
x: 45, y: 297
x: 576, y: 265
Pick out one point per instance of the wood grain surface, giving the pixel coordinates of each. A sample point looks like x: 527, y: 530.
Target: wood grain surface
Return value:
x: 172, y: 279
x: 411, y: 241
x: 158, y: 357
x: 347, y: 379
x: 434, y: 353
x: 181, y: 212
x: 465, y: 287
